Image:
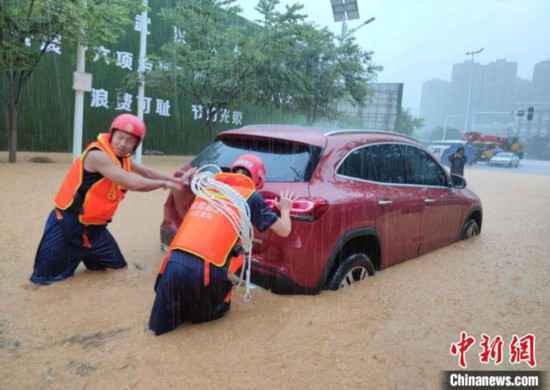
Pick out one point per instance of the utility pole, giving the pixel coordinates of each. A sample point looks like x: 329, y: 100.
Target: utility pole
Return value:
x: 467, y: 119
x: 82, y: 82
x: 141, y: 71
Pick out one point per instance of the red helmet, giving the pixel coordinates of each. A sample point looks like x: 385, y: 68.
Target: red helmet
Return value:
x: 130, y: 124
x: 252, y: 164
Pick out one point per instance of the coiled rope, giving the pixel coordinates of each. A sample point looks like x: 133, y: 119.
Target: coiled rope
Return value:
x: 224, y: 199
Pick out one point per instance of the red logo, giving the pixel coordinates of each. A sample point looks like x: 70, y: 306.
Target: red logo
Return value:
x: 460, y: 348
x: 523, y: 350
x: 492, y: 349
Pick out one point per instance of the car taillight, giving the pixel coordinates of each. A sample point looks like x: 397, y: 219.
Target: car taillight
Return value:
x: 307, y: 209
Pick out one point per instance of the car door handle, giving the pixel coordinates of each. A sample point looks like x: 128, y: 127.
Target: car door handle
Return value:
x: 383, y: 202
x: 429, y: 200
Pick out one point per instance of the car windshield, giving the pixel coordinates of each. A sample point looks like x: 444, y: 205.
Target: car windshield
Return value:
x: 284, y: 161
x: 504, y: 155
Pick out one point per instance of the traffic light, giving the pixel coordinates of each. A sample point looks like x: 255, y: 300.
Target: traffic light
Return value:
x: 530, y: 112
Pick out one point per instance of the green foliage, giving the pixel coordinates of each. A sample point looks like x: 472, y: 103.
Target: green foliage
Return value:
x: 407, y: 123
x: 282, y: 62
x: 210, y: 62
x: 307, y: 68
x: 28, y: 27
x: 94, y: 22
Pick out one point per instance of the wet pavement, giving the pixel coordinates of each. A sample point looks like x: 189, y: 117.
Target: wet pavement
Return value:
x: 394, y: 331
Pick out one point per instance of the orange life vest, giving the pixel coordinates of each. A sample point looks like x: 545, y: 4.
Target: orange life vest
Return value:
x: 204, y: 231
x: 102, y: 199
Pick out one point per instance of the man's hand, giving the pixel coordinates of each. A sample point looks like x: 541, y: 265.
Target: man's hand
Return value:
x: 184, y: 178
x: 283, y: 226
x: 285, y: 200
x: 173, y: 185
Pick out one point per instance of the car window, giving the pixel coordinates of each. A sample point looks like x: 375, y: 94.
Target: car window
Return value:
x: 381, y: 163
x: 359, y: 164
x: 284, y: 161
x: 421, y: 168
x: 390, y: 167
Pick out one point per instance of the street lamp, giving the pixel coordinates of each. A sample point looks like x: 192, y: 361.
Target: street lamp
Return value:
x: 344, y: 10
x: 362, y: 25
x: 467, y: 120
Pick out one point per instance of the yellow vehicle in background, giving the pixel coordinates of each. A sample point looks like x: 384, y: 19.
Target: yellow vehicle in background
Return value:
x: 517, y: 148
x: 488, y: 150
x: 488, y: 145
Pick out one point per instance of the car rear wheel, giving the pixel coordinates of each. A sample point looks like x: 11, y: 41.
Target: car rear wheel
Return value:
x: 470, y: 229
x: 353, y: 269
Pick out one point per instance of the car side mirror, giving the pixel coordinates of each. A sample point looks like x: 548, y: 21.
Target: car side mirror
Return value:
x: 458, y: 181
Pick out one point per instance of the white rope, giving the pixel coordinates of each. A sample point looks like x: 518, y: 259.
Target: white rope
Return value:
x: 224, y: 199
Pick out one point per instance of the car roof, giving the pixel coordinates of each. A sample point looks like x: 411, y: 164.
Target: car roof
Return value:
x: 448, y: 142
x: 316, y: 136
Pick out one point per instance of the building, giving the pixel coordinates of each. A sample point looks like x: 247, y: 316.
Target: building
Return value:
x: 523, y: 91
x: 497, y: 95
x: 435, y: 103
x: 460, y: 83
x: 541, y: 81
x: 498, y: 87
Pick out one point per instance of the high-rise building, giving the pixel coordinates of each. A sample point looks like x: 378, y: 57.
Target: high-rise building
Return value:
x: 496, y: 93
x: 541, y: 81
x: 435, y: 104
x: 460, y: 89
x: 523, y: 91
x: 498, y: 87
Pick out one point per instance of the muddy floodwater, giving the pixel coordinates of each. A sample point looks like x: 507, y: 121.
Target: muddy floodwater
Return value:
x: 393, y: 331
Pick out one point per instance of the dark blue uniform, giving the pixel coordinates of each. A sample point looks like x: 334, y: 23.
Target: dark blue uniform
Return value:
x: 180, y: 291
x: 63, y: 245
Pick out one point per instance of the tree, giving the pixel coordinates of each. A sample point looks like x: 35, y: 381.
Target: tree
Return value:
x: 211, y: 59
x: 273, y: 71
x: 407, y: 123
x: 307, y: 68
x: 23, y: 23
x: 222, y: 60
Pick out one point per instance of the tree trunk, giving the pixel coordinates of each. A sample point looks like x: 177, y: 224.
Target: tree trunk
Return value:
x: 210, y: 130
x: 11, y: 115
x: 210, y: 123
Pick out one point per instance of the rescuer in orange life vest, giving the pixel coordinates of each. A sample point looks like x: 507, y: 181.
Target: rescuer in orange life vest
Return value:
x: 76, y: 229
x: 193, y: 280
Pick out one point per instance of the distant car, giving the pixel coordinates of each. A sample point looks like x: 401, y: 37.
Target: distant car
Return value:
x: 505, y: 159
x: 365, y: 200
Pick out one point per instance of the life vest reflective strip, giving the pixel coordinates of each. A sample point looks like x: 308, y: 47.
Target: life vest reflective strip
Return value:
x: 103, y: 197
x: 205, y: 232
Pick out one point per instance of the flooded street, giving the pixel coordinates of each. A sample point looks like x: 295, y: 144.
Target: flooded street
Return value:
x: 393, y: 331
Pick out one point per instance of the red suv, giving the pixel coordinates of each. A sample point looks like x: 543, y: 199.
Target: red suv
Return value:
x: 367, y: 200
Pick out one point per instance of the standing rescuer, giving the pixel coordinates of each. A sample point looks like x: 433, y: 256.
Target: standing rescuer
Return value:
x: 193, y: 282
x: 76, y: 230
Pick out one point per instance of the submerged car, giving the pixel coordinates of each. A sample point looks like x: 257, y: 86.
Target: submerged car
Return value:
x: 505, y: 159
x: 366, y: 200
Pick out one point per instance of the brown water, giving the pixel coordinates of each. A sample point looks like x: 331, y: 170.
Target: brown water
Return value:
x: 392, y: 332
